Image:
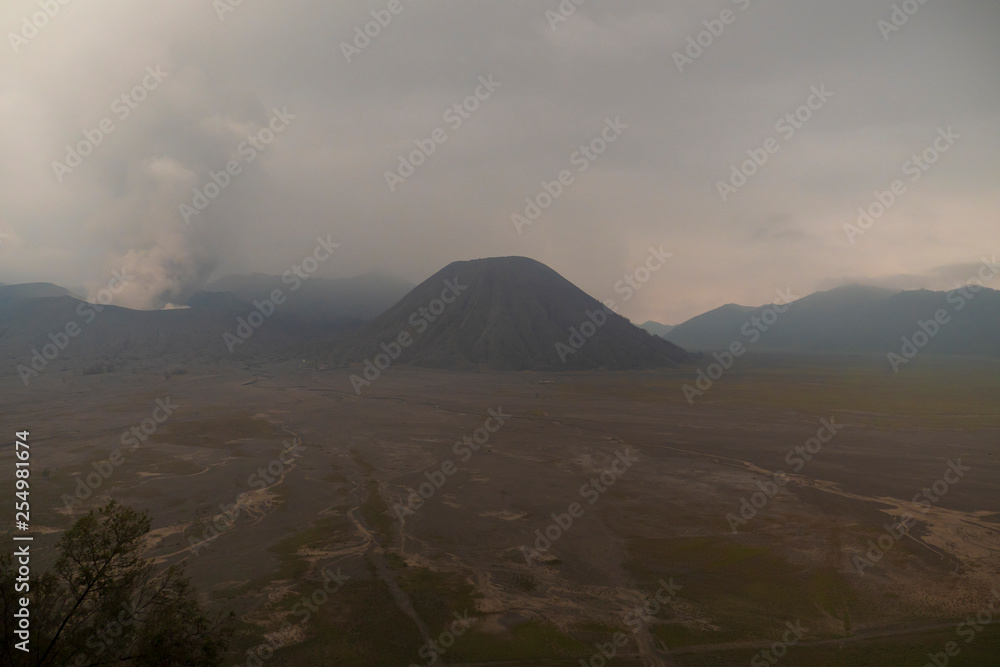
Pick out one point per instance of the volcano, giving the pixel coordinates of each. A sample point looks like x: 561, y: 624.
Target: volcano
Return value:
x: 505, y: 313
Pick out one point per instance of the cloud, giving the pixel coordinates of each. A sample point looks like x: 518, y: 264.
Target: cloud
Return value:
x: 325, y: 175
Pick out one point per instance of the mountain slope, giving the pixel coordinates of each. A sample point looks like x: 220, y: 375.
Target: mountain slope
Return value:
x: 10, y: 295
x: 507, y: 313
x: 74, y: 335
x: 656, y: 328
x: 854, y: 319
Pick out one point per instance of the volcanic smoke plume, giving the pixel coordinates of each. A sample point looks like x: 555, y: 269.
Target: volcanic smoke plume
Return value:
x: 163, y: 259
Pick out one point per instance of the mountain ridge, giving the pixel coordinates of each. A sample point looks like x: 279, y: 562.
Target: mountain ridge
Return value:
x: 854, y: 319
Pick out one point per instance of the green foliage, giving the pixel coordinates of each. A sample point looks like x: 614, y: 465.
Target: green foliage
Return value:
x: 104, y: 604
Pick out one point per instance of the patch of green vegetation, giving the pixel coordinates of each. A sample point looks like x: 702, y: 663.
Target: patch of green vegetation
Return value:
x: 750, y: 591
x: 526, y: 641
x: 360, y: 625
x: 437, y: 596
x: 395, y: 561
x: 932, y: 392
x: 712, y: 553
x: 674, y: 635
x: 593, y: 628
x: 323, y: 534
x: 592, y: 631
x: 911, y: 649
x: 831, y: 593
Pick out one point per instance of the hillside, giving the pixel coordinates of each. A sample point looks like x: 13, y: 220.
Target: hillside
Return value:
x: 507, y: 313
x: 854, y: 319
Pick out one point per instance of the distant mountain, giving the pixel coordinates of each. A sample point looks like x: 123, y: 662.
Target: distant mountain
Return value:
x: 315, y: 310
x: 72, y: 335
x: 656, y: 328
x: 120, y: 337
x: 852, y: 319
x: 11, y: 295
x: 510, y: 313
x: 316, y: 299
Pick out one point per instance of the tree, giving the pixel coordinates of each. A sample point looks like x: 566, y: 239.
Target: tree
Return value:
x: 103, y: 603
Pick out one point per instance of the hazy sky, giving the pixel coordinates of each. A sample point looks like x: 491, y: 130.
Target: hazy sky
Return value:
x: 657, y: 183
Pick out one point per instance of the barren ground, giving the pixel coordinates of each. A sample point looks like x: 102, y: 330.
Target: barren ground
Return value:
x: 663, y: 519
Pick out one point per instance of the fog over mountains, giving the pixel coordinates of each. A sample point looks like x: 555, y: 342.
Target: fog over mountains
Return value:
x: 854, y: 319
x: 362, y: 297
x: 44, y: 327
x: 507, y: 313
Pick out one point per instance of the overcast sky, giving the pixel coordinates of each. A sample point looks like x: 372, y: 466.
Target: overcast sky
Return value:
x: 324, y: 173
